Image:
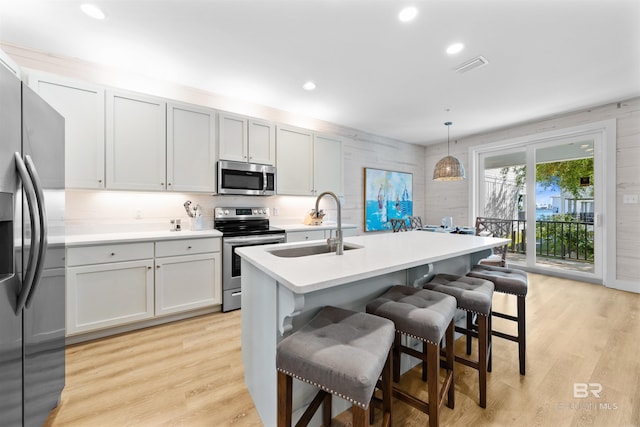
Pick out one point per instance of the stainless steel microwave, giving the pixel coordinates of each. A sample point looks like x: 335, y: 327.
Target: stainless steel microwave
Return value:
x: 247, y: 179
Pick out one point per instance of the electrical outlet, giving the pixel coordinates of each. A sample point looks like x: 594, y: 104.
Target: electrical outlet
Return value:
x: 630, y: 199
x: 276, y: 211
x: 138, y: 213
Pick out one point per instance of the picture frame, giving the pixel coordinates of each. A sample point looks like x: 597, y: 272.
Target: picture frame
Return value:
x: 387, y: 195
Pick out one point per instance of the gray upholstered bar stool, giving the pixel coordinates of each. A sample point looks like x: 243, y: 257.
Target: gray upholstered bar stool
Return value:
x: 472, y: 295
x: 428, y: 317
x: 341, y: 352
x: 508, y: 281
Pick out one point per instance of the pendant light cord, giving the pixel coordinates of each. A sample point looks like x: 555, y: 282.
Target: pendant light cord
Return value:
x: 448, y: 125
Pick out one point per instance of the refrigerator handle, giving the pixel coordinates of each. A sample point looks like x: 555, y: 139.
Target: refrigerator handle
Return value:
x: 42, y: 217
x: 29, y: 272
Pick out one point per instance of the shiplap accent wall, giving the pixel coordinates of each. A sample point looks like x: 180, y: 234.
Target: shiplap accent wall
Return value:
x: 451, y: 198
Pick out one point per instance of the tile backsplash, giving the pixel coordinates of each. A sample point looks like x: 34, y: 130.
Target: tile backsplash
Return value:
x: 87, y: 211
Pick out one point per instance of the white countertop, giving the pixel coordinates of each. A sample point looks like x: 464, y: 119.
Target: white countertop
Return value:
x: 133, y: 236
x: 380, y: 254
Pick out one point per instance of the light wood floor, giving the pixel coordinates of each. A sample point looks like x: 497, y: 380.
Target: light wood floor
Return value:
x: 189, y: 373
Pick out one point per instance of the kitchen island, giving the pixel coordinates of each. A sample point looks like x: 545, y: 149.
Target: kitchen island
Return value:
x: 282, y: 293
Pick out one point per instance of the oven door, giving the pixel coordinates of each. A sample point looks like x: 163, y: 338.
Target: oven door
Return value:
x: 231, y: 288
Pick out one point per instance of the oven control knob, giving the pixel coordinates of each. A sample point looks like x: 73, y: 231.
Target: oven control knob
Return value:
x: 263, y: 211
x: 255, y: 211
x: 226, y: 212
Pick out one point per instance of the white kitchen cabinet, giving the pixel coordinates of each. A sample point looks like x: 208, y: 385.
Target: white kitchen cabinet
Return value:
x: 110, y: 285
x: 305, y: 235
x: 191, y: 156
x: 294, y: 161
x: 188, y: 275
x: 102, y: 293
x: 262, y: 142
x: 232, y: 137
x: 242, y: 139
x: 308, y: 163
x: 187, y: 282
x: 135, y: 142
x: 82, y: 106
x: 327, y: 164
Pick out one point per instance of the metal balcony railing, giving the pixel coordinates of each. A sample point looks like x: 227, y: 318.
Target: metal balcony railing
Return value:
x: 566, y: 240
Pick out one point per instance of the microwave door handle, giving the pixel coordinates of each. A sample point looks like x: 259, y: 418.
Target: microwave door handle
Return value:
x: 42, y: 215
x: 264, y: 181
x: 29, y: 271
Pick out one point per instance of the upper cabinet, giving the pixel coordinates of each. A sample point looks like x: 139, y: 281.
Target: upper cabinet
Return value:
x: 262, y: 142
x: 328, y: 167
x: 135, y: 142
x: 121, y: 140
x: 82, y: 106
x: 294, y: 163
x: 246, y: 140
x: 308, y: 163
x: 191, y: 157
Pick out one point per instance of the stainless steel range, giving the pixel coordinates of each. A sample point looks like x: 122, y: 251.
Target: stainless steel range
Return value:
x: 241, y: 227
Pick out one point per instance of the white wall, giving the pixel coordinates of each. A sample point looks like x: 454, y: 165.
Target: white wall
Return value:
x: 451, y: 198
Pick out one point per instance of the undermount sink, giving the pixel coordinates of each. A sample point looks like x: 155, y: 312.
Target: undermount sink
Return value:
x: 309, y: 250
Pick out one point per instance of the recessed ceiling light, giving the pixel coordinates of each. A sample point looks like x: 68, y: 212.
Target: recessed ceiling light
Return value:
x: 309, y: 86
x: 92, y: 11
x: 408, y: 14
x: 455, y: 48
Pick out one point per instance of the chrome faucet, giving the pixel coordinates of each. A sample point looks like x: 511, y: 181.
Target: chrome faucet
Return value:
x: 338, y: 239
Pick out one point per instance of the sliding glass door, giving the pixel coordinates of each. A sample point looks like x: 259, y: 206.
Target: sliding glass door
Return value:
x: 565, y: 205
x: 503, y: 194
x: 551, y: 190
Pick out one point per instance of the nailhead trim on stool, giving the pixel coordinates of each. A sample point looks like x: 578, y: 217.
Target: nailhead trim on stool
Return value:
x: 514, y: 282
x: 341, y: 352
x: 475, y: 296
x: 427, y: 316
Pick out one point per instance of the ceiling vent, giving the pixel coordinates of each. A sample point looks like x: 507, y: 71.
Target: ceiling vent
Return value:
x: 477, y: 62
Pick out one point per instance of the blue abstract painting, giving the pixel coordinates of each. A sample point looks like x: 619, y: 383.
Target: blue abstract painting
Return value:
x: 387, y: 195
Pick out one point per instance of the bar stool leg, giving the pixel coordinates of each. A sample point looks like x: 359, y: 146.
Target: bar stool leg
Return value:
x: 396, y: 357
x: 285, y: 405
x: 326, y: 409
x: 522, y: 337
x: 360, y: 416
x: 450, y: 359
x: 470, y: 327
x: 387, y: 391
x: 482, y: 358
x: 433, y: 365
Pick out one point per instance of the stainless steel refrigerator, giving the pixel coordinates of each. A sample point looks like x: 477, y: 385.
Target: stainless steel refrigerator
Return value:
x: 32, y: 275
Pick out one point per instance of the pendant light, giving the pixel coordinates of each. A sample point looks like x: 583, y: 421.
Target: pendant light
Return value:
x: 449, y: 168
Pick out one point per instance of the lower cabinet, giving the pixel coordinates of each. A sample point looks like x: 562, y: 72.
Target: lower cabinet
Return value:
x: 306, y: 235
x: 303, y: 236
x: 99, y: 296
x: 117, y: 284
x: 187, y: 282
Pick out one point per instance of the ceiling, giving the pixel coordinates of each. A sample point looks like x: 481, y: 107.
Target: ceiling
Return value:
x: 373, y: 72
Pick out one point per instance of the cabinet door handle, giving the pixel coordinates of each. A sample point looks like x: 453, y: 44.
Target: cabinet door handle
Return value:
x: 113, y: 254
x: 157, y: 266
x: 149, y: 267
x: 169, y: 184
